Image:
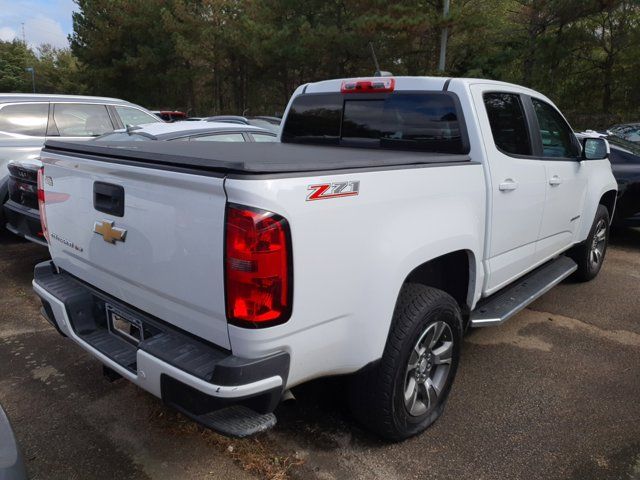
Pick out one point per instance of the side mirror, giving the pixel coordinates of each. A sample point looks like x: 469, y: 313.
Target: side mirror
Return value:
x: 595, y: 149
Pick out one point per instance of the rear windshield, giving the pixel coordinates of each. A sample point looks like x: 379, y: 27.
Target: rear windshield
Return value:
x: 427, y: 122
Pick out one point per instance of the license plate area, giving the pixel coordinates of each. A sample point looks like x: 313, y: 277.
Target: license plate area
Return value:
x: 124, y: 326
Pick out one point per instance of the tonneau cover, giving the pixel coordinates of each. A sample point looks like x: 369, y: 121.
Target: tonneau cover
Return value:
x: 250, y: 158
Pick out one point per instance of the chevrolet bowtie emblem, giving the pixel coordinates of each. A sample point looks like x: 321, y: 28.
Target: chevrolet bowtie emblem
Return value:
x: 109, y: 233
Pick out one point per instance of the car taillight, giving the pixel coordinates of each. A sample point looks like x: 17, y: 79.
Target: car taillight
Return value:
x: 258, y: 271
x: 369, y: 85
x: 41, y: 200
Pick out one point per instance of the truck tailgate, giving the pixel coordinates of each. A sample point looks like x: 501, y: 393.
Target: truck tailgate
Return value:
x: 169, y: 260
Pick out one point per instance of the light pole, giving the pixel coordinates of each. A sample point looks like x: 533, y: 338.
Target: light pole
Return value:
x: 33, y: 77
x: 443, y: 38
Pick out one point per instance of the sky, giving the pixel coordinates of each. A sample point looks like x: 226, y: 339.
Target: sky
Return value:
x: 45, y: 21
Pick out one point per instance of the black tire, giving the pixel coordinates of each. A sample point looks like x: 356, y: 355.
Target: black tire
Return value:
x: 377, y: 394
x: 583, y: 254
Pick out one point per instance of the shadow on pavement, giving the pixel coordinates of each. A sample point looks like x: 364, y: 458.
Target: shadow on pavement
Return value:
x: 625, y: 237
x: 8, y: 238
x: 320, y: 419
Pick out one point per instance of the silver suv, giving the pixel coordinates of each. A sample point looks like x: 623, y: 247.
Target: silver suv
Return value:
x: 26, y: 121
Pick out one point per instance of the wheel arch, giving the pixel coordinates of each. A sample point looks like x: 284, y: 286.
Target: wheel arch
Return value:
x: 608, y: 200
x: 453, y: 273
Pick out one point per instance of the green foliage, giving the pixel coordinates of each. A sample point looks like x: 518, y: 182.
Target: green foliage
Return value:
x: 56, y: 71
x: 235, y: 56
x: 14, y: 59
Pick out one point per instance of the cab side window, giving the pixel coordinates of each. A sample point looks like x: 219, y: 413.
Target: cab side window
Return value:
x: 81, y: 120
x: 558, y: 141
x: 508, y: 122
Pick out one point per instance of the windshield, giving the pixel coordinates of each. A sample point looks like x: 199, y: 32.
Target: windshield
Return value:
x: 622, y: 143
x: 623, y: 151
x: 627, y: 132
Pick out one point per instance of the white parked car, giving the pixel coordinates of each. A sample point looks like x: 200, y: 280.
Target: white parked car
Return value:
x: 395, y: 214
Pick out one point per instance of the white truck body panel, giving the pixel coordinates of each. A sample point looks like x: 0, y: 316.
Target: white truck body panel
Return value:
x: 352, y: 256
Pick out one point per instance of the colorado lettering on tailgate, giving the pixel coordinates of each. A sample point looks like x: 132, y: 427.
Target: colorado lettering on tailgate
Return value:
x: 325, y: 191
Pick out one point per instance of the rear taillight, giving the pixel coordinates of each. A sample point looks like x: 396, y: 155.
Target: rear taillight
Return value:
x: 258, y: 272
x: 369, y: 85
x: 41, y: 197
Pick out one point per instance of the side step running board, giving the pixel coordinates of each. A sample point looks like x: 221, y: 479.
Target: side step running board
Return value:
x: 507, y: 302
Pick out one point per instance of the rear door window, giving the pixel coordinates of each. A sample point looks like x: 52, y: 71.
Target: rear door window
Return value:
x: 508, y: 122
x: 81, y: 120
x: 428, y: 122
x: 25, y: 119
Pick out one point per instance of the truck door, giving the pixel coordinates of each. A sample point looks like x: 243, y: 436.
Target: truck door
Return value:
x: 517, y: 184
x: 566, y: 180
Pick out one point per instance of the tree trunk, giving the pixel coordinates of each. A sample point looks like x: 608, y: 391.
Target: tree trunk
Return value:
x: 607, y: 85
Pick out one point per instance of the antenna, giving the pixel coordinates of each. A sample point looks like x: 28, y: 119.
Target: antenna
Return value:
x: 379, y: 73
x: 24, y: 37
x: 375, y: 59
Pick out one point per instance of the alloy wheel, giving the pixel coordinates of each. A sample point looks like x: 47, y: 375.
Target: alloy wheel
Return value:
x: 598, y: 244
x: 428, y: 368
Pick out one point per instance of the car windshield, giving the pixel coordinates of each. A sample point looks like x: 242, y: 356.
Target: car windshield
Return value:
x: 627, y: 132
x: 632, y: 147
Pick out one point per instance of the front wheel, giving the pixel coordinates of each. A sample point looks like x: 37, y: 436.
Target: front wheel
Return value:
x: 590, y: 255
x: 407, y: 390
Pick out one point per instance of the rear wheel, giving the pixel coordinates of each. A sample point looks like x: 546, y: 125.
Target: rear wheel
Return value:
x: 590, y: 255
x: 407, y: 390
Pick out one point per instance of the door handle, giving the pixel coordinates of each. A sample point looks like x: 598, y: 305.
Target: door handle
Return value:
x: 508, y: 185
x: 555, y: 180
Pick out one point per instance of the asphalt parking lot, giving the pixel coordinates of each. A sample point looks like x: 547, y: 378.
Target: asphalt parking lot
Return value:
x: 551, y: 394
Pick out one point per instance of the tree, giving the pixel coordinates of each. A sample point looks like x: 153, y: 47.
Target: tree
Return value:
x: 56, y: 70
x: 237, y: 56
x: 15, y: 57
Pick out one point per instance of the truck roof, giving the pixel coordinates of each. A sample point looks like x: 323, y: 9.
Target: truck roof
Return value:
x: 247, y: 158
x: 412, y: 83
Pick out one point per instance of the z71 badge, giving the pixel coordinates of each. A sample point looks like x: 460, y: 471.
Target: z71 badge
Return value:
x: 325, y: 191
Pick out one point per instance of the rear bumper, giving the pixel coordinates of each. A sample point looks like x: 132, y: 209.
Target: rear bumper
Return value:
x: 24, y: 221
x: 185, y: 371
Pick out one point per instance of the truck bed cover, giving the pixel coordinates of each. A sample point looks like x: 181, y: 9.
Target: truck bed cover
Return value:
x: 246, y: 158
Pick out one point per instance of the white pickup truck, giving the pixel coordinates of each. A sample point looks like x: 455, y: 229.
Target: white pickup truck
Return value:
x: 395, y: 214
